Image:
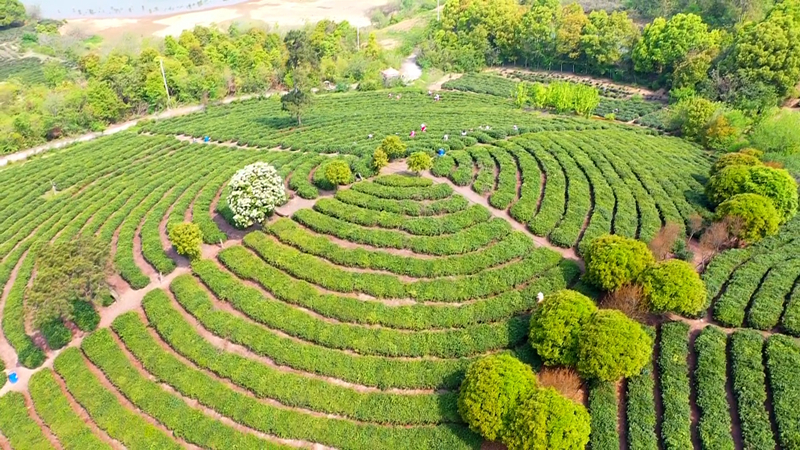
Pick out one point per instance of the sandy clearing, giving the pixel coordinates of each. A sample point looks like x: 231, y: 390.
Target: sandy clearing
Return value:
x: 176, y: 24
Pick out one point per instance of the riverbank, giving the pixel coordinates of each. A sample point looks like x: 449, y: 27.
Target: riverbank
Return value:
x: 277, y: 13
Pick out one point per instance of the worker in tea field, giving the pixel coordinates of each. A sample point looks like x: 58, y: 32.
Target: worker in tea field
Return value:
x: 423, y: 127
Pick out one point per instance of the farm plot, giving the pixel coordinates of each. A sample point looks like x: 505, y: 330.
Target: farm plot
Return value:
x: 757, y: 286
x: 572, y: 186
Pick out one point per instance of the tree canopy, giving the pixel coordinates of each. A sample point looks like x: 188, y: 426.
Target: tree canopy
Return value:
x: 612, y: 346
x: 255, y: 192
x: 546, y: 420
x: 673, y: 286
x: 555, y: 326
x: 12, y: 13
x: 613, y: 261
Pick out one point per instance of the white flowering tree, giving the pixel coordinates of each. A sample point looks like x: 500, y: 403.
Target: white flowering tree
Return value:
x: 255, y: 192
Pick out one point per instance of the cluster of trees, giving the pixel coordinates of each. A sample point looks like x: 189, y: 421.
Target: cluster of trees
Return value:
x: 616, y: 264
x: 201, y: 65
x: 500, y: 399
x: 562, y: 96
x: 12, y: 13
x: 752, y: 199
x: 567, y: 329
x: 751, y: 67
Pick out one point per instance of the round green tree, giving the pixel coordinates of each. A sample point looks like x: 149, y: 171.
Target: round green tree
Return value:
x: 337, y: 172
x: 752, y: 152
x: 673, y: 286
x: 777, y: 185
x: 755, y: 213
x: 734, y: 159
x: 379, y: 160
x: 393, y: 147
x: 555, y: 326
x: 491, y: 390
x: 186, y: 238
x: 613, y: 261
x: 546, y: 420
x: 419, y: 161
x: 727, y: 182
x: 612, y: 346
x: 12, y: 13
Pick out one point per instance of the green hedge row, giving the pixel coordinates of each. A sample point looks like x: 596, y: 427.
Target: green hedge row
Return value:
x: 419, y: 226
x: 749, y: 387
x: 525, y: 208
x: 625, y: 220
x: 196, y: 427
x: 506, y: 191
x: 299, y: 182
x: 768, y: 302
x: 790, y: 322
x: 28, y: 354
x: 465, y: 169
x: 455, y: 343
x: 412, y: 317
x: 464, y: 241
x: 720, y: 269
x: 185, y: 422
x: 201, y: 209
x: 402, y: 181
x: 367, y: 370
x: 443, y: 166
x: 484, y: 181
x: 554, y: 201
x: 56, y: 412
x: 122, y: 424
x: 783, y: 364
x: 603, y: 412
x: 514, y: 245
x: 450, y: 204
x: 730, y: 308
x: 469, y: 287
x: 640, y: 409
x: 265, y: 381
x: 18, y: 427
x: 434, y: 192
x: 710, y: 377
x: 674, y: 371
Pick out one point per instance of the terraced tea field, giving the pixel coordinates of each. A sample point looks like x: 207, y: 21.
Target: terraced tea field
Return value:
x: 348, y: 320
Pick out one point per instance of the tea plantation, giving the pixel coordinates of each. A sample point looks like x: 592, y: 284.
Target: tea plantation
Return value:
x: 348, y: 320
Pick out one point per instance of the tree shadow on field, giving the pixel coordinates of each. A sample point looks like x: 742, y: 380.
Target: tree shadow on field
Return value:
x: 276, y: 122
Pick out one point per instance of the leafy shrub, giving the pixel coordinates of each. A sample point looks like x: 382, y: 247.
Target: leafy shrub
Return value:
x: 85, y: 316
x: 612, y: 346
x: 783, y: 360
x: 603, y: 409
x: 379, y: 160
x: 419, y: 161
x: 186, y: 238
x: 710, y: 378
x: 255, y: 192
x: 674, y: 367
x: 734, y: 159
x: 545, y: 419
x: 337, y: 172
x: 673, y: 286
x: 755, y: 216
x: 775, y: 184
x: 393, y: 147
x: 752, y: 152
x: 56, y: 334
x: 613, y: 261
x: 490, y: 392
x: 556, y: 324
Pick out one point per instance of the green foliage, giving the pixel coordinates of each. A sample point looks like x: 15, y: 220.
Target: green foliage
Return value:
x: 613, y: 261
x: 641, y: 408
x: 674, y: 370
x: 18, y: 427
x: 711, y: 378
x: 296, y: 102
x: 85, y: 316
x: 492, y: 389
x: 775, y: 184
x: 783, y: 358
x: 673, y: 286
x: 556, y: 324
x: 734, y: 159
x: 67, y: 270
x: 56, y: 334
x: 777, y: 133
x: 186, y: 238
x: 12, y: 13
x: 749, y: 388
x: 545, y: 419
x: 612, y: 346
x: 603, y: 409
x: 337, y: 172
x: 756, y: 213
x: 665, y: 42
x: 379, y: 160
x: 393, y: 147
x: 419, y: 161
x: 693, y: 115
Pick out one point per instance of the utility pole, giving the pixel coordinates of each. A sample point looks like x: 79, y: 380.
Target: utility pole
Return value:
x: 358, y: 38
x: 164, y: 76
x: 438, y: 12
